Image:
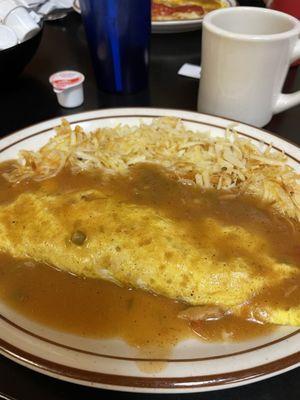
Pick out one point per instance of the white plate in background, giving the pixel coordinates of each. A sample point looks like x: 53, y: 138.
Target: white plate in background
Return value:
x: 174, y: 26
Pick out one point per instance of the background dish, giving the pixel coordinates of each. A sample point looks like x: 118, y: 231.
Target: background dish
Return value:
x: 175, y: 26
x: 113, y: 365
x: 14, y: 59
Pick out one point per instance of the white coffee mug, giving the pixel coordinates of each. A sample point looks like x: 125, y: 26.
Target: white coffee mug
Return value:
x: 246, y: 54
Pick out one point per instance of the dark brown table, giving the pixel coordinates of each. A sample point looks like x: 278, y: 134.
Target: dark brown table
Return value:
x: 31, y: 100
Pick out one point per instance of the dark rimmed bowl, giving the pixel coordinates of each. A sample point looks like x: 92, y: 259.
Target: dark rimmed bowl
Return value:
x: 14, y: 59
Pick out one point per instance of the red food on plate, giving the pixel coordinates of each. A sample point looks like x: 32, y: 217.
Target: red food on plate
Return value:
x: 164, y: 10
x: 160, y: 10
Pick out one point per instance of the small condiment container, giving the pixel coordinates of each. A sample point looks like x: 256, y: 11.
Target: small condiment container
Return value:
x: 8, y: 37
x: 68, y: 86
x: 16, y: 17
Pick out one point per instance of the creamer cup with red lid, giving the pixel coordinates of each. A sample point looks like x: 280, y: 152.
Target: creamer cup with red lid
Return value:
x: 68, y: 86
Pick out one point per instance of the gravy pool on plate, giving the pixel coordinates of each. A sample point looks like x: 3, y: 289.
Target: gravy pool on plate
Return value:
x: 96, y: 308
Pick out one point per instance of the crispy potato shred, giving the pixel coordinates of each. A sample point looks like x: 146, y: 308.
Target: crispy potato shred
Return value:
x: 231, y: 163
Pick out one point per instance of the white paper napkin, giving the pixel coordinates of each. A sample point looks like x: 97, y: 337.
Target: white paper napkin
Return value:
x: 45, y: 7
x: 190, y: 70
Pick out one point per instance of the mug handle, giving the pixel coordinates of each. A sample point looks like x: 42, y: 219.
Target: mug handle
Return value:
x: 286, y: 101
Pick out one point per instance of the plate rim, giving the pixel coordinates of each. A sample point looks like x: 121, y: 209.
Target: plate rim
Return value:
x: 158, y: 384
x: 137, y: 359
x: 150, y: 384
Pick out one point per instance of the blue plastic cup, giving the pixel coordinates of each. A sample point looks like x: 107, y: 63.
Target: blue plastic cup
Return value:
x: 118, y: 34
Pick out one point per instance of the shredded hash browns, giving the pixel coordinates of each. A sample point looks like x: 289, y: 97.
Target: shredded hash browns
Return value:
x: 230, y: 163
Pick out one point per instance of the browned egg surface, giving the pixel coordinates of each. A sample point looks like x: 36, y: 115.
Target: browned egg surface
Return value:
x: 94, y: 308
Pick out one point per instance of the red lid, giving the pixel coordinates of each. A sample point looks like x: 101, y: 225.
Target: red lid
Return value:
x: 65, y: 79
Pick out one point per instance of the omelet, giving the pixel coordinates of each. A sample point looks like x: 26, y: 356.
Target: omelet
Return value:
x: 93, y: 234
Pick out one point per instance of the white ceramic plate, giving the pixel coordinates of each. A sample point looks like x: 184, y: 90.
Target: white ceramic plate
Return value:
x: 193, y: 366
x: 174, y: 26
x: 186, y: 25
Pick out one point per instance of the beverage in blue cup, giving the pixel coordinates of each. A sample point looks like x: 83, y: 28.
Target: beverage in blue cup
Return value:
x: 118, y: 34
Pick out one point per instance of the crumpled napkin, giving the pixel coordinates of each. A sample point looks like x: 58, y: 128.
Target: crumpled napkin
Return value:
x: 46, y: 7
